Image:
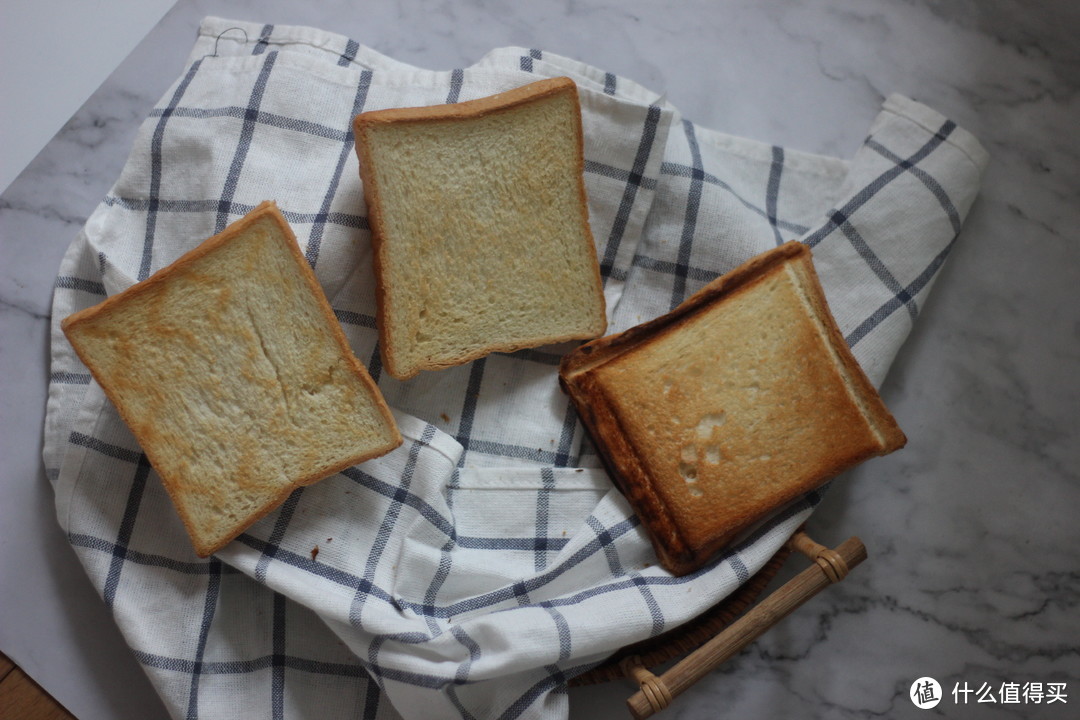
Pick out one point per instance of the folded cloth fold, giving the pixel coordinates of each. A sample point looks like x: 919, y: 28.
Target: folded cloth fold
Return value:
x: 474, y: 570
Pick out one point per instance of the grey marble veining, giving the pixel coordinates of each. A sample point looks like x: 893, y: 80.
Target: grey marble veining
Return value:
x: 974, y: 569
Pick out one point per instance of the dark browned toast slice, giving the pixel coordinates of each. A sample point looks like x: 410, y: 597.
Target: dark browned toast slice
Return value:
x: 743, y: 398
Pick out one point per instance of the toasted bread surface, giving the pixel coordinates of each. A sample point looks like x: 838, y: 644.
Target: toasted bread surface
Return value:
x: 235, y: 377
x: 739, y: 401
x: 480, y: 227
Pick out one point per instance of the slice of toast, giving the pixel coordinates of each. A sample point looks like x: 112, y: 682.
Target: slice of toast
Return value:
x: 235, y: 377
x: 480, y: 227
x: 743, y: 398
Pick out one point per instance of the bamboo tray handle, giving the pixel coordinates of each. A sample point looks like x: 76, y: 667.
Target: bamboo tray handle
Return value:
x: 656, y: 693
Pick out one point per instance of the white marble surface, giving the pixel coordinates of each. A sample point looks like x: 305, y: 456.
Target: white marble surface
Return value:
x: 974, y: 570
x: 41, y: 91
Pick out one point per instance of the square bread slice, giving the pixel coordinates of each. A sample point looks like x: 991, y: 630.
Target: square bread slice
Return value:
x: 743, y: 398
x: 480, y: 227
x: 235, y: 377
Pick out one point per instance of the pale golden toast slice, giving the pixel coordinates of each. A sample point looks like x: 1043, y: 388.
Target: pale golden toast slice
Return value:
x: 235, y: 377
x: 480, y: 227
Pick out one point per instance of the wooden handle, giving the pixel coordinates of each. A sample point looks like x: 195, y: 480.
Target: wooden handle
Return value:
x: 830, y: 566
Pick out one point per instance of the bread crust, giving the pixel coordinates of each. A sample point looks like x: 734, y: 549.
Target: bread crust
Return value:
x: 629, y: 467
x: 469, y: 109
x: 267, y: 210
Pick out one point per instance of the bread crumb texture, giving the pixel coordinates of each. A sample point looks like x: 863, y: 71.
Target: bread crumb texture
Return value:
x: 483, y: 233
x: 230, y: 373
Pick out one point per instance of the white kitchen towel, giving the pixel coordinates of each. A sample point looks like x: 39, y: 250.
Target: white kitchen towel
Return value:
x: 474, y: 570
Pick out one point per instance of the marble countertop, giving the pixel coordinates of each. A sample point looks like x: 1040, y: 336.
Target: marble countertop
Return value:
x: 974, y: 569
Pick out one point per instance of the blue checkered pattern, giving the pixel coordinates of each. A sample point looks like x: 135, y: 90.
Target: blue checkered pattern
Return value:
x: 474, y: 570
